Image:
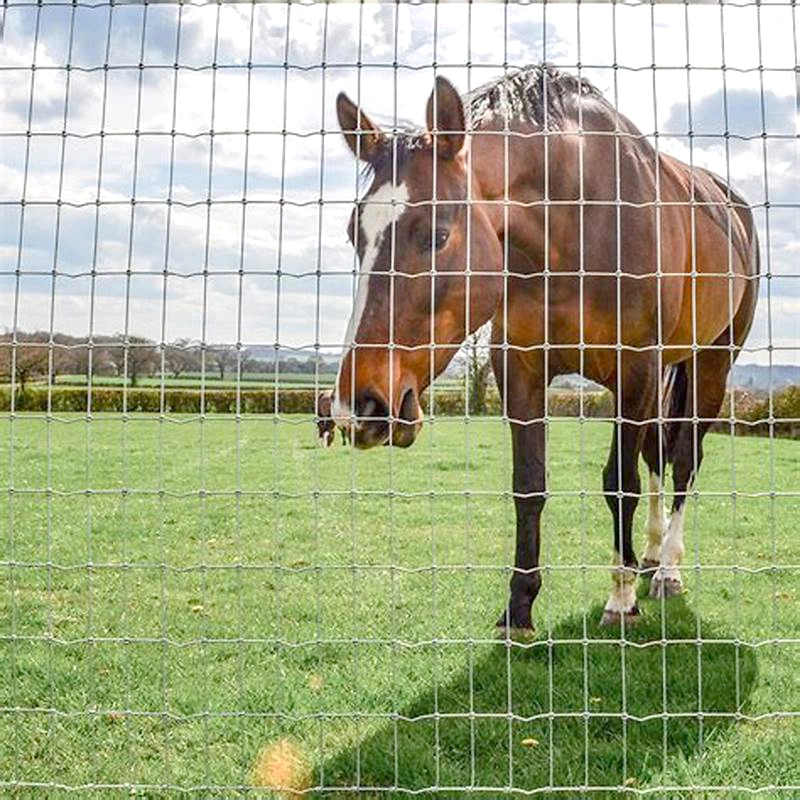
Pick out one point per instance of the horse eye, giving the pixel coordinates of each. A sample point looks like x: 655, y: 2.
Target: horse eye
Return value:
x: 440, y: 238
x: 434, y: 240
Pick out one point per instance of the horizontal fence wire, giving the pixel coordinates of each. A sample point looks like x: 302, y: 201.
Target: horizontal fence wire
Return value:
x: 202, y: 281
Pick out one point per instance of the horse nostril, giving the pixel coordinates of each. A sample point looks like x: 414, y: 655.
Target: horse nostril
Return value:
x: 408, y: 411
x: 372, y: 420
x: 370, y: 407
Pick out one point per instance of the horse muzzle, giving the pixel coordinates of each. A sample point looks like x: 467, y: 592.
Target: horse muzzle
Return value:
x: 409, y: 420
x: 375, y: 425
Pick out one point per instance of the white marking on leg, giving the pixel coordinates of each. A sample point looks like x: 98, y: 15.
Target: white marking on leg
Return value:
x: 381, y: 210
x: 623, y: 593
x: 672, y: 549
x: 657, y: 521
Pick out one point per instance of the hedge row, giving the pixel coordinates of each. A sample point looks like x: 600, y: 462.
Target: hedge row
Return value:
x: 172, y: 401
x: 560, y: 403
x: 446, y: 402
x: 751, y: 410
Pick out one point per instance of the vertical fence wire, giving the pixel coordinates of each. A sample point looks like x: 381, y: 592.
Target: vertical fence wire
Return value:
x: 216, y: 603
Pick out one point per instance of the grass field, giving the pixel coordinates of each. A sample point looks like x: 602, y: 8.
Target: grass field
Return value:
x: 177, y: 594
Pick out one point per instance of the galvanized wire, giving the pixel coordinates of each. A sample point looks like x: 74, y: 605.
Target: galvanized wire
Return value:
x: 335, y: 190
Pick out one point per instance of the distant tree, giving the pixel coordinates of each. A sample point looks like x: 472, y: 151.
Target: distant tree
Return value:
x: 24, y: 360
x: 181, y: 356
x: 224, y: 357
x: 87, y: 359
x: 59, y: 359
x: 290, y: 365
x: 328, y: 367
x: 249, y: 364
x: 80, y: 359
x: 132, y: 356
x: 479, y: 369
x: 259, y: 365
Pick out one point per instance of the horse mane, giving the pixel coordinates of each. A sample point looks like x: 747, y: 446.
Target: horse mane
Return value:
x: 540, y: 93
x: 401, y: 140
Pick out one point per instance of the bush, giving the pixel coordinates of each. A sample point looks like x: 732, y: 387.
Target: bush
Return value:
x: 787, y: 405
x: 751, y: 411
x: 447, y: 402
x: 63, y: 399
x: 451, y: 403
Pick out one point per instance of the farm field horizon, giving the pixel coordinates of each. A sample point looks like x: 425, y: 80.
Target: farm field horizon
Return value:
x: 212, y: 382
x: 177, y: 593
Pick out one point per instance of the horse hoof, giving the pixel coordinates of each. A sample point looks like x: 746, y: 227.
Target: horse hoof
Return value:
x: 614, y: 619
x: 648, y: 567
x: 664, y: 588
x: 515, y: 633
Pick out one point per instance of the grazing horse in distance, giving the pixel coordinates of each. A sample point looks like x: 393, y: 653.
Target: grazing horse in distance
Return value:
x: 535, y: 204
x: 326, y: 427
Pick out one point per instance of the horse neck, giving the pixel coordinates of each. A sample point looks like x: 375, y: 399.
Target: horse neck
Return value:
x: 520, y: 169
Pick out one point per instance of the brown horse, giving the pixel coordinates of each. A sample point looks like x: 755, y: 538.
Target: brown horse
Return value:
x: 534, y: 204
x: 326, y: 427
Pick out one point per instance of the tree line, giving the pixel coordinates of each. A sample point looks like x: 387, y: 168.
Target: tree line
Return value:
x: 27, y: 357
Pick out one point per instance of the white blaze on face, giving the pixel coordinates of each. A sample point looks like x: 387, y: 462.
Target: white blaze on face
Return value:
x: 380, y: 212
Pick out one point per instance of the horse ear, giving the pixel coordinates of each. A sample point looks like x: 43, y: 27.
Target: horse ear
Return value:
x: 363, y: 137
x: 446, y: 113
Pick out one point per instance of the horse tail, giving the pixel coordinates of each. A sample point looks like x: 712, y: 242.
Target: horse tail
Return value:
x: 676, y: 389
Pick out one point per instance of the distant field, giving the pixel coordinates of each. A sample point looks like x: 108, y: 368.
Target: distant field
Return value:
x: 176, y: 594
x: 249, y: 380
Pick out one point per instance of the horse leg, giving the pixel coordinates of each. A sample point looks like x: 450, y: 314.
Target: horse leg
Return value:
x: 707, y: 373
x: 711, y: 374
x: 622, y: 486
x: 657, y: 520
x: 521, y: 384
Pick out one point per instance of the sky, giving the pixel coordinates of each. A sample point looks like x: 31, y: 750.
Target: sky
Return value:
x: 172, y: 264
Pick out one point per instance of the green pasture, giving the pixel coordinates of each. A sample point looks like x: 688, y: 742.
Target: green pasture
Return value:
x: 177, y: 593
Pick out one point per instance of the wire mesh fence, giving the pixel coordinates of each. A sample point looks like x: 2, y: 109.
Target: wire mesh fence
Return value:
x: 201, y: 277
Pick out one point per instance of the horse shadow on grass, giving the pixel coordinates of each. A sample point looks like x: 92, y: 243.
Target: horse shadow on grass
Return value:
x: 604, y: 711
